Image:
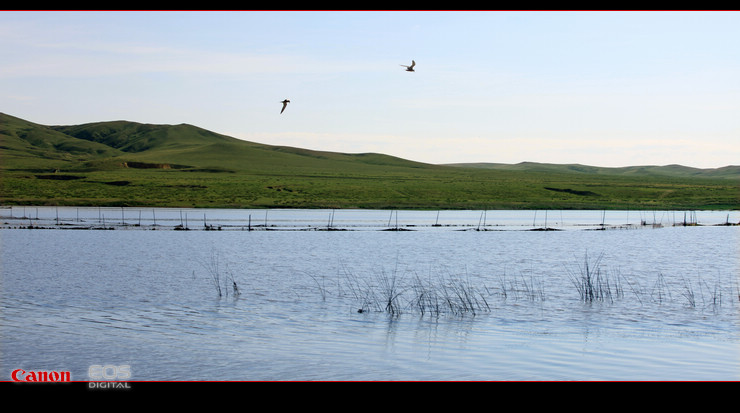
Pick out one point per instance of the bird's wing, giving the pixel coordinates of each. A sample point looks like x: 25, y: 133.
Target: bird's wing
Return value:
x: 413, y: 63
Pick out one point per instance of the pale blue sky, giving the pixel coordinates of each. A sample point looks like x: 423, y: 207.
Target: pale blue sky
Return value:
x: 596, y: 88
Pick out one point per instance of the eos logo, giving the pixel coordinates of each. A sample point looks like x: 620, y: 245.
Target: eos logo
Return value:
x: 109, y: 372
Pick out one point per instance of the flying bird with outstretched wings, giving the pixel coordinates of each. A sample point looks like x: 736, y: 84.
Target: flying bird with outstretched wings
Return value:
x: 285, y: 104
x: 410, y: 68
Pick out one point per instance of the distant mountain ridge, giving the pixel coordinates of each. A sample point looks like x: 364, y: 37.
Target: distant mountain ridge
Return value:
x: 190, y: 146
x: 730, y: 171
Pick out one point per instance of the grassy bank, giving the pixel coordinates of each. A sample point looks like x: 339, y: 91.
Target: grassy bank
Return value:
x: 454, y: 189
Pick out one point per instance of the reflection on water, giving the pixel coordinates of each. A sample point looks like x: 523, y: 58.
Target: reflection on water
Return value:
x: 71, y: 299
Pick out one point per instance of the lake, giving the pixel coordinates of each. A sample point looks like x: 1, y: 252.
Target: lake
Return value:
x: 288, y: 295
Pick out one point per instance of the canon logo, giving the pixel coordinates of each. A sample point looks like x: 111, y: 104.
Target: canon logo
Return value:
x: 40, y: 376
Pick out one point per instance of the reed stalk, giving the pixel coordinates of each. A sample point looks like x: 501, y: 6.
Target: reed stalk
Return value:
x: 688, y: 293
x: 220, y: 279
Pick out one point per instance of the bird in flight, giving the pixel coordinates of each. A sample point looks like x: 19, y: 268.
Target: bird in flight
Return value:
x: 285, y: 103
x: 410, y: 68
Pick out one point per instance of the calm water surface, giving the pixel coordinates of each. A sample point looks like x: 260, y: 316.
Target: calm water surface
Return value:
x: 145, y: 298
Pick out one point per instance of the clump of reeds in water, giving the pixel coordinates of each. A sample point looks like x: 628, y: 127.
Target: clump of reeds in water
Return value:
x: 222, y: 279
x: 451, y: 295
x: 381, y: 292
x: 395, y: 293
x: 593, y: 284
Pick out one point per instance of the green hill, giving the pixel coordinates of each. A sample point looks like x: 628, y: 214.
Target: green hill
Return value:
x: 125, y: 163
x: 190, y: 147
x: 676, y: 171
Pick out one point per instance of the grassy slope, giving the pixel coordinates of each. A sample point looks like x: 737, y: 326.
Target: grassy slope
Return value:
x: 126, y: 163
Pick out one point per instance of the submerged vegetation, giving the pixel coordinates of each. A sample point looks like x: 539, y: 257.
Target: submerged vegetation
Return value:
x: 142, y: 165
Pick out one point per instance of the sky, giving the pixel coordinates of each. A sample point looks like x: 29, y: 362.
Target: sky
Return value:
x: 601, y: 88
